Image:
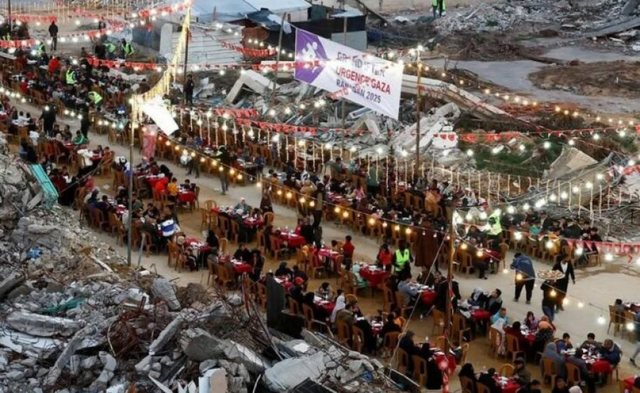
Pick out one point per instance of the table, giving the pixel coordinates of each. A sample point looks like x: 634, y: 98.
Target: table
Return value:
x: 293, y: 240
x: 428, y: 297
x: 240, y: 267
x: 628, y: 383
x: 374, y: 275
x: 246, y: 220
x: 480, y: 315
x: 284, y: 281
x: 507, y: 385
x: 186, y: 196
x: 325, y: 305
x: 197, y: 245
x: 439, y: 357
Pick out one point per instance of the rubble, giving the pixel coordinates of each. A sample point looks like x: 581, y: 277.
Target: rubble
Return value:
x: 78, y: 319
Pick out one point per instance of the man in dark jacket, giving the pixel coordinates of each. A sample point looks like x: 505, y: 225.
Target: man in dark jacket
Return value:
x: 525, y: 275
x: 188, y: 90
x: 53, y: 32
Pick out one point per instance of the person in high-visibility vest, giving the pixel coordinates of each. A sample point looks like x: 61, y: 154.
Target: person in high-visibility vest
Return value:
x: 111, y: 50
x: 40, y: 49
x: 402, y: 259
x: 127, y: 48
x: 95, y: 98
x: 70, y: 77
x: 439, y: 8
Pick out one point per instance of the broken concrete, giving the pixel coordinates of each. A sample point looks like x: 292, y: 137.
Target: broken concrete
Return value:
x: 42, y: 325
x: 163, y: 289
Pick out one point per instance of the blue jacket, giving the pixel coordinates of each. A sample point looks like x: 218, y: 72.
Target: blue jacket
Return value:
x: 612, y: 355
x: 524, y: 266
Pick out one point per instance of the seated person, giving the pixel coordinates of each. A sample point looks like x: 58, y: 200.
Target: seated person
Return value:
x: 514, y: 330
x: 283, y: 271
x: 325, y: 291
x: 242, y: 253
x: 172, y: 190
x: 408, y: 291
x: 407, y: 344
x: 188, y: 186
x: 390, y: 325
x: 590, y: 345
x: 299, y: 273
x: 520, y: 372
x: 488, y: 380
x: 565, y: 343
x: 610, y: 352
x: 501, y: 316
x: 297, y: 291
x: 80, y: 139
x: 530, y: 321
x: 242, y: 206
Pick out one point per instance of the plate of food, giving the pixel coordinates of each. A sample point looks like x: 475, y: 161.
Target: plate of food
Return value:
x: 550, y: 275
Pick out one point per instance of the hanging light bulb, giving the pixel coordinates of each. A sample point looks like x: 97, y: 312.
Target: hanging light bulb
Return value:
x: 553, y: 293
x: 580, y: 305
x: 517, y: 236
x: 601, y: 320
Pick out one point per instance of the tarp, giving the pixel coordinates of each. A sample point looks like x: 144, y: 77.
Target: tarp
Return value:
x: 369, y: 81
x: 156, y: 110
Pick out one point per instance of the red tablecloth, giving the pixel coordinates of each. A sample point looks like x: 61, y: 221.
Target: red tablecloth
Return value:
x: 510, y: 387
x: 153, y: 180
x: 186, y: 196
x: 241, y: 267
x: 325, y: 305
x: 600, y: 367
x: 428, y: 297
x: 193, y: 242
x: 480, y: 315
x: 293, y: 240
x: 327, y: 253
x: 284, y: 281
x: 439, y: 357
x: 628, y: 382
x: 374, y: 277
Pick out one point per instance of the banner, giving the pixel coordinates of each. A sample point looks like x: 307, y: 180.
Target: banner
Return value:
x: 356, y: 76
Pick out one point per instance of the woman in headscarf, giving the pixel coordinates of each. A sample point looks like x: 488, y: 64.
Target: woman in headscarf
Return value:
x: 340, y: 303
x: 551, y: 352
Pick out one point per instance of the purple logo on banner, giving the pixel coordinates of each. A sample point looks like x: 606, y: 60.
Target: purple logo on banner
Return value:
x: 308, y: 48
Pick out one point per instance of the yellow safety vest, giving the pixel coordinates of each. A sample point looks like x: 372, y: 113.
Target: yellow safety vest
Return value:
x: 402, y: 258
x: 435, y: 4
x: 95, y: 97
x: 71, y: 77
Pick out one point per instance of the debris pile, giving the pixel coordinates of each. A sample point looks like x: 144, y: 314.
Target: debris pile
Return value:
x: 77, y: 319
x: 503, y: 16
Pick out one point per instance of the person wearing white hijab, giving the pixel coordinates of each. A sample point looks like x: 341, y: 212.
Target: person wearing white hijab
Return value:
x: 340, y: 304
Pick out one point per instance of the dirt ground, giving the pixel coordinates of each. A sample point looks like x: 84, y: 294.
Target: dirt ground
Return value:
x: 612, y: 79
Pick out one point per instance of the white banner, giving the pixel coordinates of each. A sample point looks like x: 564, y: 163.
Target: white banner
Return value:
x: 347, y: 73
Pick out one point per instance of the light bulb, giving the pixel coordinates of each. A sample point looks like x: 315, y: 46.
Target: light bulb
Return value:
x: 580, y: 305
x: 601, y: 320
x: 553, y: 293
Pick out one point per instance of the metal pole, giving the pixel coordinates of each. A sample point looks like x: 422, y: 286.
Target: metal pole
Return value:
x: 130, y: 229
x: 279, y: 50
x: 418, y: 114
x: 9, y: 16
x: 344, y: 102
x: 449, y: 310
x: 186, y: 58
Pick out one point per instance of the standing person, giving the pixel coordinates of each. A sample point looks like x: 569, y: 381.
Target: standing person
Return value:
x: 525, y: 275
x: 225, y: 160
x: 636, y: 323
x: 188, y: 90
x: 48, y: 118
x: 127, y: 49
x: 549, y: 299
x: 439, y: 8
x: 53, y: 32
x: 347, y: 250
x: 565, y: 266
x: 402, y: 258
x: 319, y: 204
